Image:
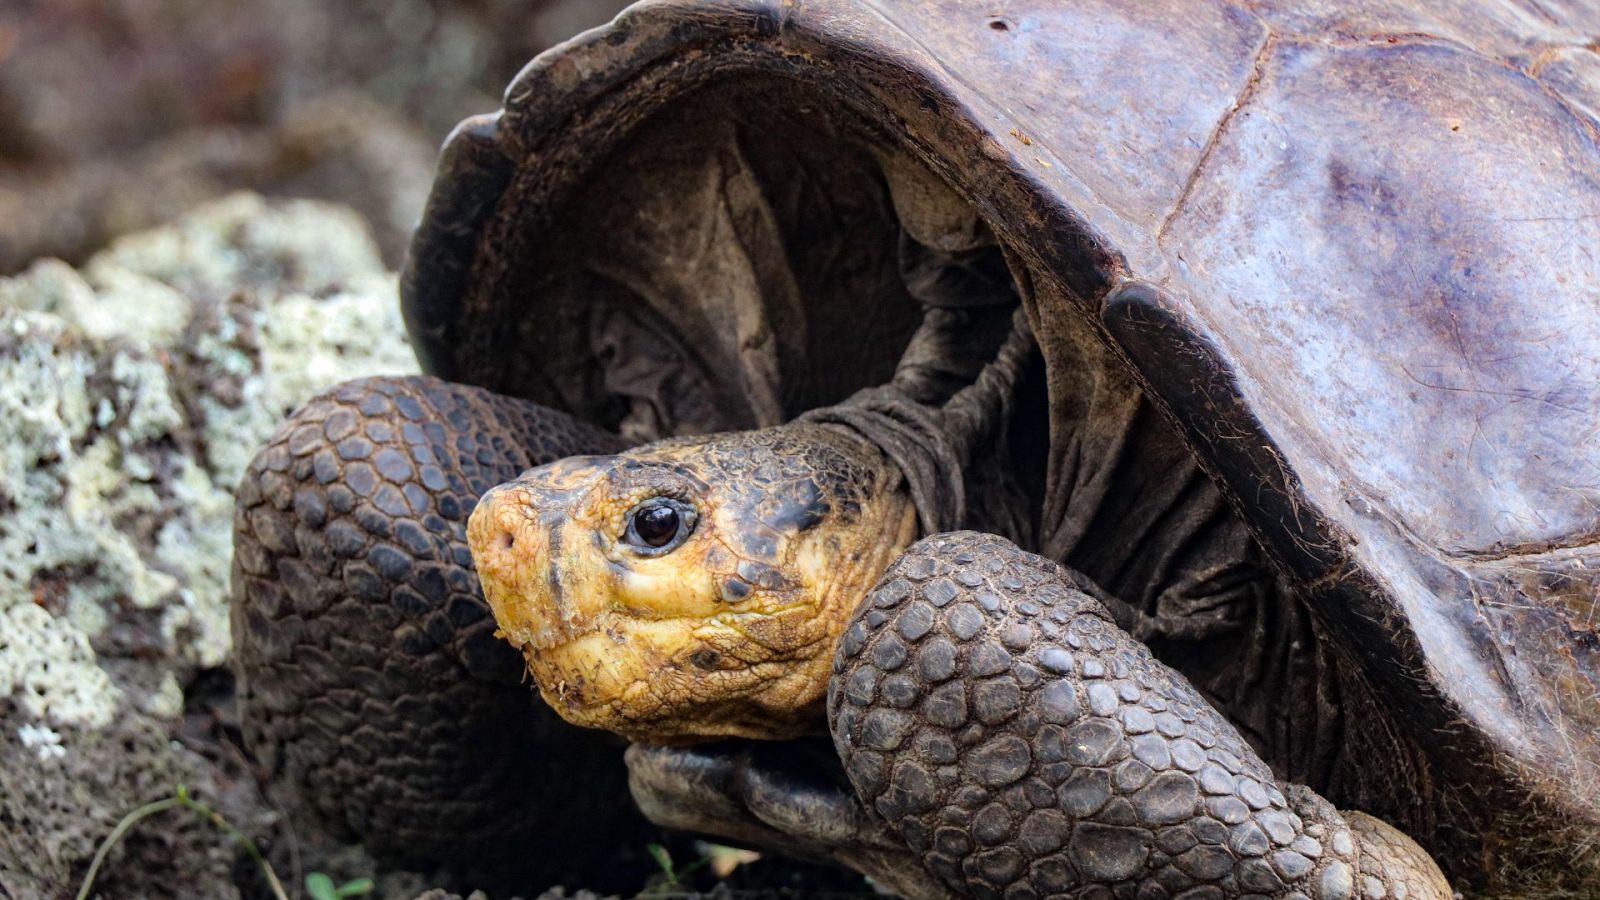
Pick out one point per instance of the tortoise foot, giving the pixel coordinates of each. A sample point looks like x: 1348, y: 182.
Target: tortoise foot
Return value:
x: 788, y: 797
x: 991, y: 713
x: 371, y: 680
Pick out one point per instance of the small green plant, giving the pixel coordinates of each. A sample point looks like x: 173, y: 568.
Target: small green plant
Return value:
x: 675, y: 877
x: 320, y: 887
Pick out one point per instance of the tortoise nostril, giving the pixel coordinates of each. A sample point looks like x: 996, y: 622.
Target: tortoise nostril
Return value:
x: 507, y: 540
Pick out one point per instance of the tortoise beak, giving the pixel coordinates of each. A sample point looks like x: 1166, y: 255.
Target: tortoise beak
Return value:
x: 516, y: 537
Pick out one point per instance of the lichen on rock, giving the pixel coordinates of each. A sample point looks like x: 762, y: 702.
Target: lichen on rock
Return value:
x: 133, y: 392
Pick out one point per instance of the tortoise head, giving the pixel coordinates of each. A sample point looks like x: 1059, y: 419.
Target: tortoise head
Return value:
x: 693, y: 588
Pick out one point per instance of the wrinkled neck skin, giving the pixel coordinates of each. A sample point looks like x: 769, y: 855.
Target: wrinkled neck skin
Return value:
x: 729, y: 632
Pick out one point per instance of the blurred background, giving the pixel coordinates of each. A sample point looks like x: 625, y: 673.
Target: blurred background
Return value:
x: 117, y: 115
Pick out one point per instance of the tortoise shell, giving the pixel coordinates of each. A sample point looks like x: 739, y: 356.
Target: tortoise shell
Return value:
x: 1349, y: 250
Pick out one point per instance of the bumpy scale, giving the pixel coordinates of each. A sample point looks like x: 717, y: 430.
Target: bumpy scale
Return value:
x: 1023, y: 745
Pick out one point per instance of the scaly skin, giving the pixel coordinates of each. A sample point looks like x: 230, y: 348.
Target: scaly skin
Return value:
x: 986, y: 706
x: 991, y: 712
x: 730, y: 634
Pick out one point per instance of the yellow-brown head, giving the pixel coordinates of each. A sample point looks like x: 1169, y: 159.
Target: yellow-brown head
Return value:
x: 693, y: 588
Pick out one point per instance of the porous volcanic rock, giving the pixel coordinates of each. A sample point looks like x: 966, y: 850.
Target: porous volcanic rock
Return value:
x: 133, y: 391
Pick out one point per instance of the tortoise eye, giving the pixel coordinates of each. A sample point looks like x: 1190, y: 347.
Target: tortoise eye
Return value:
x: 659, y: 525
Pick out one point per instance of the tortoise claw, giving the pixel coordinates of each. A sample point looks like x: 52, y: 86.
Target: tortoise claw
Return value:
x: 789, y: 798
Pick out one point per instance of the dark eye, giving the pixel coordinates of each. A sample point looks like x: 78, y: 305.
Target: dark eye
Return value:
x: 659, y: 524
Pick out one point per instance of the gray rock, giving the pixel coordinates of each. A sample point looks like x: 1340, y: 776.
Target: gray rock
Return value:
x: 132, y: 393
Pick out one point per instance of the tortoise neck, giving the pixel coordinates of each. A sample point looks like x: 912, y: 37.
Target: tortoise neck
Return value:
x: 934, y: 443
x: 976, y: 415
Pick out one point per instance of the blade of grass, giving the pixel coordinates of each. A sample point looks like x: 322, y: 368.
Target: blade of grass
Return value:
x: 128, y: 821
x: 216, y: 819
x: 181, y: 799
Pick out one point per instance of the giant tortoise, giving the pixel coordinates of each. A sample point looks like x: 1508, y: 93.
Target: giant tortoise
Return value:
x: 1134, y: 432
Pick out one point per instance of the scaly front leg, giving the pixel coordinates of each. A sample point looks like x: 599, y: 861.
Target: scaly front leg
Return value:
x: 371, y: 680
x: 1023, y: 745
